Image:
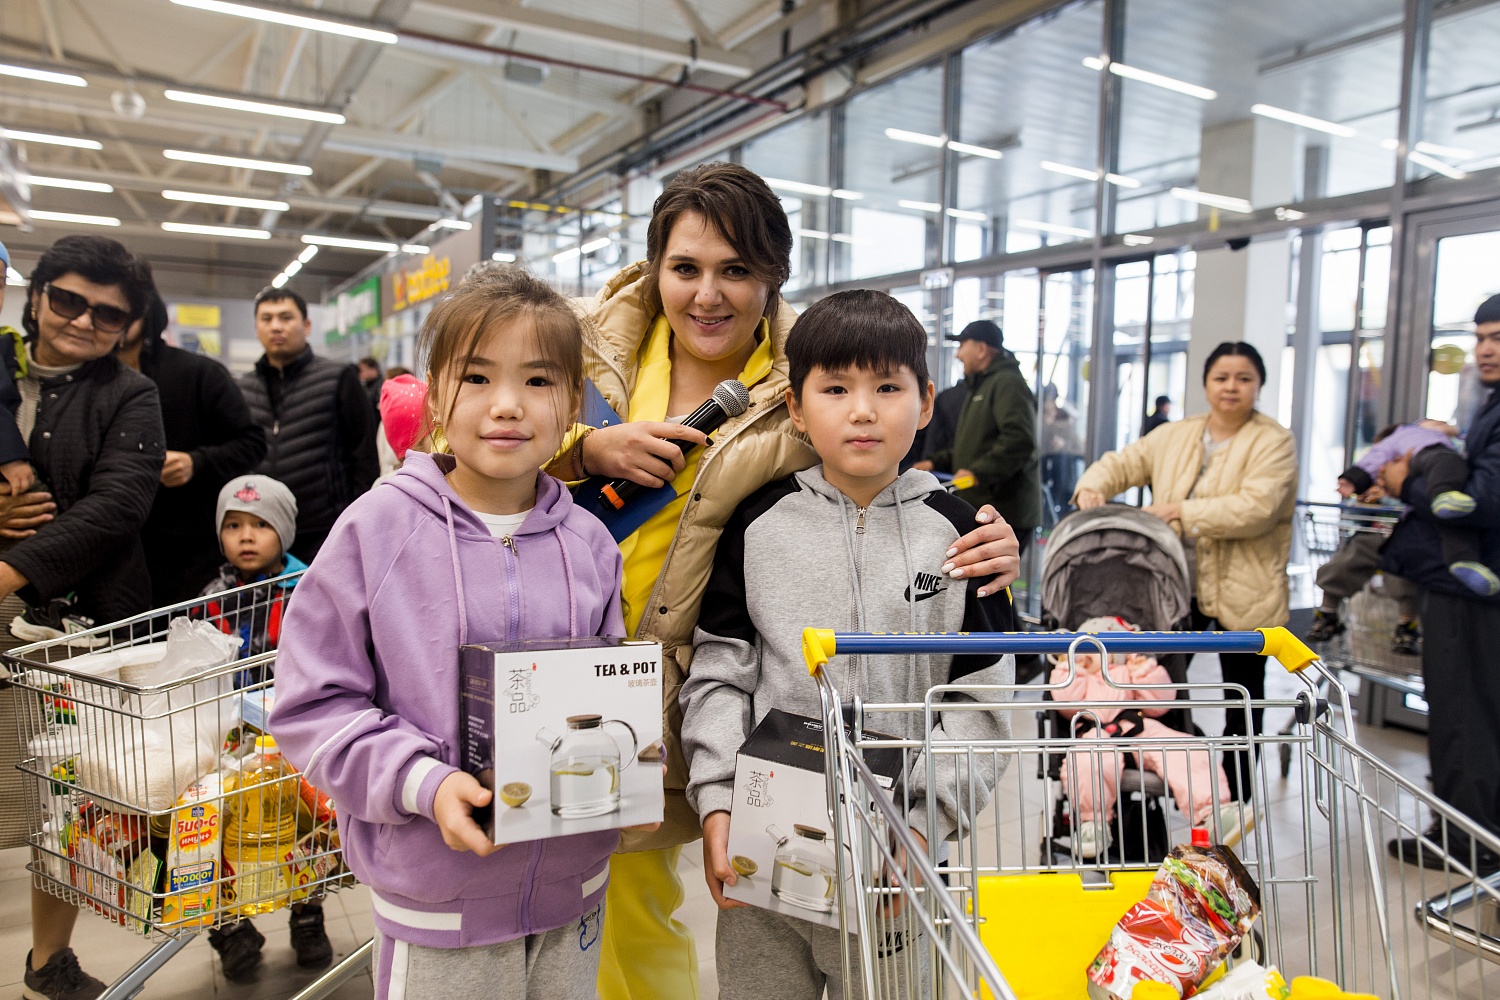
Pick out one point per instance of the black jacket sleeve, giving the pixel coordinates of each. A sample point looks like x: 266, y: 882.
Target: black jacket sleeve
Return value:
x: 12, y: 444
x: 122, y: 486
x: 357, y: 434
x: 239, y: 442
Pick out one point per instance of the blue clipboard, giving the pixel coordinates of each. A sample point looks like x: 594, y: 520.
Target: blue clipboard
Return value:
x: 643, y: 506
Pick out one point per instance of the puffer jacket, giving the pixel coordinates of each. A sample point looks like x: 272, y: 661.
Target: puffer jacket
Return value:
x: 1240, y: 517
x: 749, y: 451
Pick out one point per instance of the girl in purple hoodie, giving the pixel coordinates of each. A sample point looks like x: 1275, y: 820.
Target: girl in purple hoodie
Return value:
x: 475, y: 545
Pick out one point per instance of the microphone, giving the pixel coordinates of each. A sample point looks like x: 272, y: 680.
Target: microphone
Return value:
x: 730, y: 399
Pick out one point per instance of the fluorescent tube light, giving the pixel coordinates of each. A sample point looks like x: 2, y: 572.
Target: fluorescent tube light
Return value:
x: 1154, y: 79
x: 1435, y: 165
x: 232, y: 201
x: 960, y: 213
x: 44, y: 75
x: 1305, y: 121
x: 1120, y: 180
x: 1137, y: 240
x: 378, y: 246
x: 1082, y: 173
x: 453, y: 224
x: 847, y: 195
x: 984, y: 151
x: 846, y: 238
x: 239, y: 232
x: 415, y: 248
x: 565, y: 256
x: 71, y: 185
x: 1050, y: 227
x: 920, y: 138
x: 307, y: 254
x: 1223, y: 201
x: 51, y: 140
x: 244, y: 163
x: 345, y: 28
x: 503, y: 257
x: 920, y: 206
x: 1433, y: 149
x: 798, y: 187
x: 82, y: 220
x: 812, y: 234
x: 595, y: 245
x: 291, y: 269
x: 256, y: 107
x: 279, y: 280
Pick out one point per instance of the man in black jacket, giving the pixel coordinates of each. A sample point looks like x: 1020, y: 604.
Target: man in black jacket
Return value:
x: 211, y: 438
x: 320, y: 433
x: 1459, y: 628
x: 94, y: 428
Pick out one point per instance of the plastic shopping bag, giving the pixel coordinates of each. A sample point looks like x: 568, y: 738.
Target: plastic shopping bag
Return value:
x: 168, y: 728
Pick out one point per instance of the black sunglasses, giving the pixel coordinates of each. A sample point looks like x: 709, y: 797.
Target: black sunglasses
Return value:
x: 71, y: 305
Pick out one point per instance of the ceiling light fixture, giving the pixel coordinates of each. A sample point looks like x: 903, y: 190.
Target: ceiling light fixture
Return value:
x: 82, y: 220
x: 920, y: 138
x: 1154, y: 79
x: 594, y: 245
x: 920, y: 206
x: 972, y: 150
x: 1436, y: 165
x: 1119, y: 180
x: 255, y: 107
x: 377, y: 246
x: 1305, y: 121
x: 565, y: 256
x: 1050, y: 227
x: 232, y: 201
x: 1433, y: 149
x: 847, y: 195
x: 1137, y: 240
x: 961, y: 213
x: 238, y: 232
x: 274, y: 16
x: 812, y: 234
x: 244, y: 163
x: 291, y: 269
x: 279, y: 280
x: 1223, y: 201
x: 44, y: 75
x: 846, y: 238
x: 71, y: 185
x: 307, y: 254
x: 415, y: 248
x: 798, y: 187
x: 503, y: 257
x: 453, y: 224
x: 51, y: 140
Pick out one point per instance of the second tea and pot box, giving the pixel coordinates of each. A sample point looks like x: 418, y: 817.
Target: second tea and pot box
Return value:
x: 781, y: 839
x: 566, y: 733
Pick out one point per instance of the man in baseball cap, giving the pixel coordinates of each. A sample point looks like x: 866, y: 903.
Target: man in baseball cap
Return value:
x: 995, y: 440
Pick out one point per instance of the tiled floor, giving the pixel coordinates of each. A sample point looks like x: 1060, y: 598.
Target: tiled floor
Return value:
x: 108, y: 951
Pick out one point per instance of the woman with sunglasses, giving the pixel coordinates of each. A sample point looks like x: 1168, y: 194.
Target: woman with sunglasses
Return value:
x: 95, y: 433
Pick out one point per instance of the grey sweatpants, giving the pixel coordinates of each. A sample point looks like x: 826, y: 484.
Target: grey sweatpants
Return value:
x: 763, y: 955
x: 1350, y: 568
x: 561, y: 964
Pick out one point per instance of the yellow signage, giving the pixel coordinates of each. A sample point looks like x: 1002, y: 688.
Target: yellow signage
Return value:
x: 189, y: 314
x: 419, y: 284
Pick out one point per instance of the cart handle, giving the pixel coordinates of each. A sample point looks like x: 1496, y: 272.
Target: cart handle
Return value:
x: 820, y: 645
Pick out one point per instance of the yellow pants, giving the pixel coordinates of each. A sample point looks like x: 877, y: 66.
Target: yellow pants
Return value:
x: 646, y: 954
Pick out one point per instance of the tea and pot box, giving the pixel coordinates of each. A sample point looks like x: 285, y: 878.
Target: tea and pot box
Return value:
x: 566, y: 733
x: 781, y: 839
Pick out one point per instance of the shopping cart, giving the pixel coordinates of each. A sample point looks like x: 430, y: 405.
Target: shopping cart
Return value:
x: 979, y: 916
x: 109, y: 751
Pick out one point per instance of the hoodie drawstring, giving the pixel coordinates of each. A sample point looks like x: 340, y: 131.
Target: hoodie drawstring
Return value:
x: 567, y: 563
x: 458, y: 573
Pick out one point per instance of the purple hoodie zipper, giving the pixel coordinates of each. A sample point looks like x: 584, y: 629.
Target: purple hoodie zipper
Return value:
x: 508, y: 543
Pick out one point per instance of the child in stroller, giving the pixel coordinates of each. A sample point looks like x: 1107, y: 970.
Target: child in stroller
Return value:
x: 1092, y: 778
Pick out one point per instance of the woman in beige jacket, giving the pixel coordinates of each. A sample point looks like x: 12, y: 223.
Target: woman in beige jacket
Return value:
x: 703, y: 307
x: 1227, y: 482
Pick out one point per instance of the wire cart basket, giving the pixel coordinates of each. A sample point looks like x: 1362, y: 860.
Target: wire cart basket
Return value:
x: 151, y: 802
x: 1334, y: 847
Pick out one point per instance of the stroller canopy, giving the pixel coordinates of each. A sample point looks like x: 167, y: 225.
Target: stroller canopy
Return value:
x: 1115, y: 560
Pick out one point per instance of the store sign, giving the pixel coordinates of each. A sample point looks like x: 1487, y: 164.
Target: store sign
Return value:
x: 198, y: 315
x: 412, y: 285
x: 357, y: 309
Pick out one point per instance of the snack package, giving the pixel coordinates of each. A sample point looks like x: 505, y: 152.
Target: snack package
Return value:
x: 1248, y: 981
x: 1201, y: 903
x: 193, y: 855
x: 113, y: 866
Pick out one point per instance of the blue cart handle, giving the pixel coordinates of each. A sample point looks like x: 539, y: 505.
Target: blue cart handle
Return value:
x: 820, y: 645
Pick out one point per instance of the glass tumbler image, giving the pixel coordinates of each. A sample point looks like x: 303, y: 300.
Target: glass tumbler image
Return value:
x: 804, y: 871
x: 586, y: 764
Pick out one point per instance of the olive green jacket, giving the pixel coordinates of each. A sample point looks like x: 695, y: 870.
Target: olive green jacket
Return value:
x: 996, y: 440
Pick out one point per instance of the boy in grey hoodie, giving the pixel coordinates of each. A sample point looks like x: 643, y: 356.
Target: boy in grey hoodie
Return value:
x: 850, y: 543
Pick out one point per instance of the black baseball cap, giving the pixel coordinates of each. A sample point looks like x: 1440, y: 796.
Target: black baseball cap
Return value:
x: 982, y: 330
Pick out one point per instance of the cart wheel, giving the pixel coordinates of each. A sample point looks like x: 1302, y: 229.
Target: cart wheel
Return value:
x: 1285, y: 750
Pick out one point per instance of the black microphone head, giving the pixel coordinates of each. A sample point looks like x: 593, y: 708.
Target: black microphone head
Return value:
x: 732, y: 396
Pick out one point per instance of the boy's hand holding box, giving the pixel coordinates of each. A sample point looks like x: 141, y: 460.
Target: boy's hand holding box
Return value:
x: 566, y: 733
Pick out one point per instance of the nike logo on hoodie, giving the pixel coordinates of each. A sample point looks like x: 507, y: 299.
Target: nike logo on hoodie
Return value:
x: 927, y: 585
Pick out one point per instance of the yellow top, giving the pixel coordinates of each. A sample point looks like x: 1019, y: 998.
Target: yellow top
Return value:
x: 645, y: 550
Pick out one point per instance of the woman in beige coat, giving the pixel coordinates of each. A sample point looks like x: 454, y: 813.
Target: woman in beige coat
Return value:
x: 1227, y: 482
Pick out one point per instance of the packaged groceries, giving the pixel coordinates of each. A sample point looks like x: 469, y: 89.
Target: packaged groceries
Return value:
x: 260, y: 831
x: 114, y: 867
x: 194, y: 852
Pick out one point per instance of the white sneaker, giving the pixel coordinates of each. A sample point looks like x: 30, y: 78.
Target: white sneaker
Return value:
x: 1092, y: 838
x: 1235, y: 820
x: 70, y: 625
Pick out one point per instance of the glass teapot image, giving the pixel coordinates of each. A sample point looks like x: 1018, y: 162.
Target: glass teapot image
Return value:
x: 804, y: 871
x: 586, y: 764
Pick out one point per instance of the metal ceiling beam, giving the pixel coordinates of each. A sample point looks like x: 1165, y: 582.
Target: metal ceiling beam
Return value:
x: 592, y: 34
x: 694, y: 22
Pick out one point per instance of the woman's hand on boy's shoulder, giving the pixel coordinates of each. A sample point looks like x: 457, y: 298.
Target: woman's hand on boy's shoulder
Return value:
x: 989, y: 550
x: 453, y: 809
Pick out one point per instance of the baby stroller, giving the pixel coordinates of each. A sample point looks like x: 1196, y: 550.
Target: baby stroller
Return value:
x: 1114, y: 560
